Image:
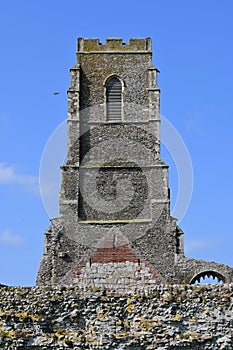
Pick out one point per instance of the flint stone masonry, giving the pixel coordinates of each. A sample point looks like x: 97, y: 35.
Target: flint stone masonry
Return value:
x: 114, y: 44
x: 163, y: 317
x: 114, y: 183
x: 123, y: 275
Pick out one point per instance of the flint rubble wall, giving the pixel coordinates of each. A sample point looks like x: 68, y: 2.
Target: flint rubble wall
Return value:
x: 163, y: 317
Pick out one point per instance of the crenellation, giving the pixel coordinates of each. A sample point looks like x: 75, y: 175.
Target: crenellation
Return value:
x: 114, y: 45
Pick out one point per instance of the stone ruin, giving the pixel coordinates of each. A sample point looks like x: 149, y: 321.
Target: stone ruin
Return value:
x: 114, y: 227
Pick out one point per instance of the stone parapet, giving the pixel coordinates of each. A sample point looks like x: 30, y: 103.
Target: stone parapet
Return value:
x: 115, y: 45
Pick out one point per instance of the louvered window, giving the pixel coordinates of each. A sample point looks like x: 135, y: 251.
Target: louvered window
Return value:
x: 114, y: 99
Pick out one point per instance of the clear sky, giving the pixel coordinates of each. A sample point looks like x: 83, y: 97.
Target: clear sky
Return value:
x: 192, y: 47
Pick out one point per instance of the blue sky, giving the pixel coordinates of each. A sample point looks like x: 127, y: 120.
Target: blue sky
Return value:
x: 192, y: 47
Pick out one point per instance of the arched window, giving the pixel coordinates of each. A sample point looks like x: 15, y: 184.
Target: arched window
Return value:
x: 114, y: 99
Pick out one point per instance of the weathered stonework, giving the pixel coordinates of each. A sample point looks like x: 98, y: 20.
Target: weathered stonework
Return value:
x: 162, y: 317
x: 114, y: 226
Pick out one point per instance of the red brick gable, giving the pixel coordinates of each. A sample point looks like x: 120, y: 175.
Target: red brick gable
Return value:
x: 114, y: 248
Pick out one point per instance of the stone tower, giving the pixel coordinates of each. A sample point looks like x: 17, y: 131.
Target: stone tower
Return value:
x: 114, y: 227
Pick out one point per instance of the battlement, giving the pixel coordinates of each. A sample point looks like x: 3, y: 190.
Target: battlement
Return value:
x: 114, y: 45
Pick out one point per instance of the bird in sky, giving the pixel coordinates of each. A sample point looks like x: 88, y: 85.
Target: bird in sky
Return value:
x: 56, y: 93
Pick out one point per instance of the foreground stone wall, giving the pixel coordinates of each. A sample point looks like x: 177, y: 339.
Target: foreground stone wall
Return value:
x: 165, y: 317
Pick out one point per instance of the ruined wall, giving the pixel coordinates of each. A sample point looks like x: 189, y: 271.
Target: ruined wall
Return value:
x: 113, y: 177
x: 114, y: 183
x: 165, y: 317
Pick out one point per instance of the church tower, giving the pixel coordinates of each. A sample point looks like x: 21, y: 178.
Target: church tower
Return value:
x: 114, y: 226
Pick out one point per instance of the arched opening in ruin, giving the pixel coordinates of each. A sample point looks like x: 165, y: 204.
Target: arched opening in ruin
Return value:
x: 208, y: 277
